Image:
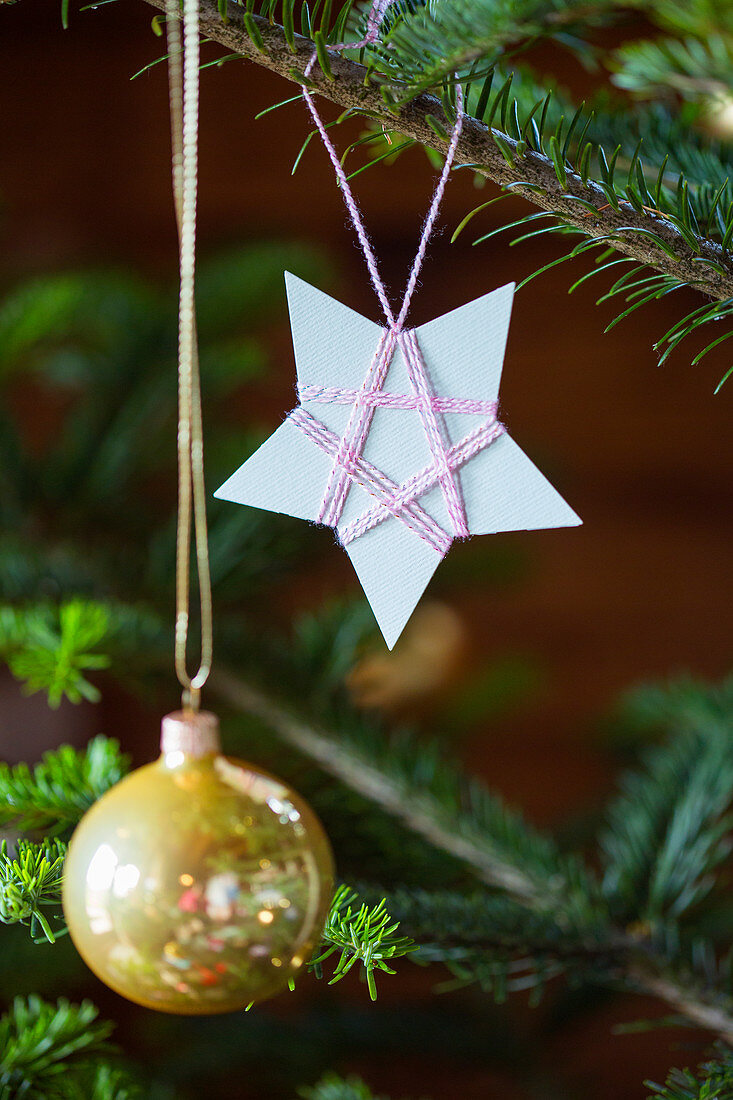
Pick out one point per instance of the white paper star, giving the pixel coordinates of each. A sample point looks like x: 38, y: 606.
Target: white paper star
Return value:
x: 396, y: 444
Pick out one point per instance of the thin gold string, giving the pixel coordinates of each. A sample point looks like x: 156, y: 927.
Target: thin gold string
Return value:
x: 183, y: 80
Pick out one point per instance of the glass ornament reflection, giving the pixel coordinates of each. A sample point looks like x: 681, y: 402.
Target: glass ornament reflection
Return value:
x: 198, y: 884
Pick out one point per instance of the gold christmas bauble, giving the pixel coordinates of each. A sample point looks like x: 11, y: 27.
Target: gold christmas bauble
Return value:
x: 198, y: 884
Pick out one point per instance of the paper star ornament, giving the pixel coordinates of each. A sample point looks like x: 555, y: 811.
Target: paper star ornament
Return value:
x: 396, y: 444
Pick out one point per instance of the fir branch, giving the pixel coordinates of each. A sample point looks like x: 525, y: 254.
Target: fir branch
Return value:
x: 334, y: 1087
x: 97, y: 1081
x: 53, y: 796
x: 492, y: 940
x: 455, y: 814
x: 696, y: 69
x: 51, y: 649
x: 42, y: 1043
x: 466, y: 821
x: 580, y: 202
x: 679, y: 706
x: 30, y: 882
x: 495, y: 941
x: 361, y: 933
x: 431, y: 42
x: 444, y: 924
x: 713, y: 1081
x: 696, y: 17
x: 669, y: 829
x: 705, y: 1009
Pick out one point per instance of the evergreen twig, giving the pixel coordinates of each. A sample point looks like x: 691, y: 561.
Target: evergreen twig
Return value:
x: 361, y: 933
x: 51, y: 797
x: 714, y: 1081
x: 580, y: 202
x: 634, y: 961
x: 52, y: 1052
x: 30, y: 882
x: 540, y: 877
x: 50, y: 649
x: 332, y: 1086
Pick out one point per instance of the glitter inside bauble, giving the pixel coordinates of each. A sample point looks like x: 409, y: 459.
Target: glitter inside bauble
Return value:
x: 198, y: 884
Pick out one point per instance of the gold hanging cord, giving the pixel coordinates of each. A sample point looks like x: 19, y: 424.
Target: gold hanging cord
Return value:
x: 183, y: 80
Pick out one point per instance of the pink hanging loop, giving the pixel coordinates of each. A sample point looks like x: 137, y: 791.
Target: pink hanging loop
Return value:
x: 375, y: 19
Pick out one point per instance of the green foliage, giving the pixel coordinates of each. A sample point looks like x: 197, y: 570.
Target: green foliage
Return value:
x: 53, y: 796
x: 695, y: 68
x: 53, y: 311
x: 112, y: 337
x: 52, y: 1052
x: 414, y: 768
x: 98, y: 1081
x: 679, y: 705
x: 101, y: 347
x: 361, y: 933
x: 334, y: 1087
x: 713, y: 1081
x: 497, y: 942
x: 693, y: 60
x: 327, y: 645
x: 663, y: 850
x: 649, y: 162
x: 431, y: 42
x: 30, y: 881
x: 50, y: 649
x: 415, y: 771
x: 548, y: 917
x: 311, y: 20
x: 654, y: 162
x: 669, y: 830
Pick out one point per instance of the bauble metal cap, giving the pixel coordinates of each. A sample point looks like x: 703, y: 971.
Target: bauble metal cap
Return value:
x: 195, y: 733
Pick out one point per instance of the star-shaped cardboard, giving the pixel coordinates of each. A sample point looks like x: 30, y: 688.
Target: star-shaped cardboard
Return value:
x: 402, y: 463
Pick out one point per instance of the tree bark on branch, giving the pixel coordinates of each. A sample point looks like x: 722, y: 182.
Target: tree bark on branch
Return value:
x: 350, y: 89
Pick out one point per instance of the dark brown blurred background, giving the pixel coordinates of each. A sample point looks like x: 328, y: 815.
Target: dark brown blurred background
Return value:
x: 641, y: 591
